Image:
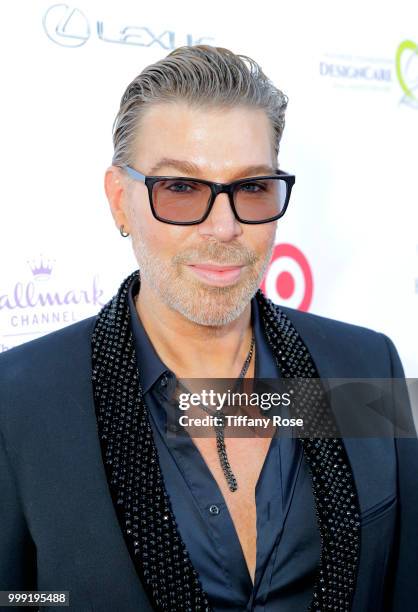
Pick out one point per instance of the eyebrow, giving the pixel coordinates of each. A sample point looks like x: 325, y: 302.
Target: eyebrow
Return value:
x: 192, y: 169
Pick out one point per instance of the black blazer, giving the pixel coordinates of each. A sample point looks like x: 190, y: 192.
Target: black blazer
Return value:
x: 58, y: 526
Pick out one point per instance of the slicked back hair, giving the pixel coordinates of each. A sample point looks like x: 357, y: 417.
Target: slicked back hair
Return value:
x: 203, y: 76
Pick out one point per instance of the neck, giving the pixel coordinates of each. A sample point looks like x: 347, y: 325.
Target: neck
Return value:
x: 192, y: 350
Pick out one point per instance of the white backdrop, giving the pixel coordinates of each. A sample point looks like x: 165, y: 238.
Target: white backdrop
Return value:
x: 350, y: 138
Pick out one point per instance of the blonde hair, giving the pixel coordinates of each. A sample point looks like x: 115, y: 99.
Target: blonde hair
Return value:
x: 203, y: 76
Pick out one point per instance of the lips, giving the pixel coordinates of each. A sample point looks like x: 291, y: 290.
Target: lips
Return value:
x: 217, y: 274
x: 217, y: 267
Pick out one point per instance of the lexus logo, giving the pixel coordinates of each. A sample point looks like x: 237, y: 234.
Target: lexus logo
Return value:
x: 66, y: 26
x: 69, y: 27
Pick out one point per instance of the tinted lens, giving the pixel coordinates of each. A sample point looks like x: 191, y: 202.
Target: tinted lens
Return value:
x: 260, y: 200
x: 180, y: 200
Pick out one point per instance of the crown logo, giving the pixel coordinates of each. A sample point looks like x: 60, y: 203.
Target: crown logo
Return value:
x: 41, y: 268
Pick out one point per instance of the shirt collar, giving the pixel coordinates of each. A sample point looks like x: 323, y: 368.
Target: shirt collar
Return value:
x: 151, y: 368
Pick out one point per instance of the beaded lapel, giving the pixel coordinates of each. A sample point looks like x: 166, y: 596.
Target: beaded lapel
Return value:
x: 137, y: 487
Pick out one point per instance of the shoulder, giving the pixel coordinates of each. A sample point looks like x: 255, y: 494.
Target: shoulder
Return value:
x: 325, y: 326
x: 45, y: 390
x: 341, y: 342
x: 48, y: 357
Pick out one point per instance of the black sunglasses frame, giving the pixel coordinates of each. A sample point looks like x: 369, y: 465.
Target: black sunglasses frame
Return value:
x: 216, y: 189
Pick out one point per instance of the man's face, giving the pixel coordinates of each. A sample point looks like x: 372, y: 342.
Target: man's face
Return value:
x: 207, y: 272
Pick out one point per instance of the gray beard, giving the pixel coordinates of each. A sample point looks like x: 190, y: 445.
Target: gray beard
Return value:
x: 202, y: 304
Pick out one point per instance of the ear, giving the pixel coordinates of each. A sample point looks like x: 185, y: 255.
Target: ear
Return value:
x: 115, y: 188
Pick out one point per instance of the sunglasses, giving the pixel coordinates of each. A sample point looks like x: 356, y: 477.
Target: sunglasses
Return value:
x: 183, y: 200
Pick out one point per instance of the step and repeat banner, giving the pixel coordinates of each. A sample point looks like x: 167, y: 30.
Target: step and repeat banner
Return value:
x: 348, y: 245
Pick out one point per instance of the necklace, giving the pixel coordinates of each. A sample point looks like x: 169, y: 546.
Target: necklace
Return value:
x: 219, y: 427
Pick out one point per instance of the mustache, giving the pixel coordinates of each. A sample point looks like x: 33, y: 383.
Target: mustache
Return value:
x: 217, y: 253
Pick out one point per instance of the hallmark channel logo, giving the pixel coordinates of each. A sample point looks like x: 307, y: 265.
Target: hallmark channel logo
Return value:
x: 41, y: 269
x: 68, y: 26
x: 42, y: 300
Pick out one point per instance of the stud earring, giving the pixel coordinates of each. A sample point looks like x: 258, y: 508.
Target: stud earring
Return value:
x: 122, y: 233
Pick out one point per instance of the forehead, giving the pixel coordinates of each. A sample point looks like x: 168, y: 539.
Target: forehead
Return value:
x: 219, y: 141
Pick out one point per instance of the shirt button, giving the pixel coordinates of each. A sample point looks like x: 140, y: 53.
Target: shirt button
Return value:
x: 164, y: 381
x: 214, y: 509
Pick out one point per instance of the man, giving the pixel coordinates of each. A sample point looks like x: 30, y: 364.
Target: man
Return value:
x: 97, y: 498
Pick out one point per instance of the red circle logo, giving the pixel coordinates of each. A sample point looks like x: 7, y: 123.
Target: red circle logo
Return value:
x: 288, y: 279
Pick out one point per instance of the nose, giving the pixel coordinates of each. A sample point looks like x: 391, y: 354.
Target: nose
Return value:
x: 221, y: 222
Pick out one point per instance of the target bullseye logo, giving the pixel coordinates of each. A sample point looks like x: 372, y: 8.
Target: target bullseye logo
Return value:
x: 288, y: 279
